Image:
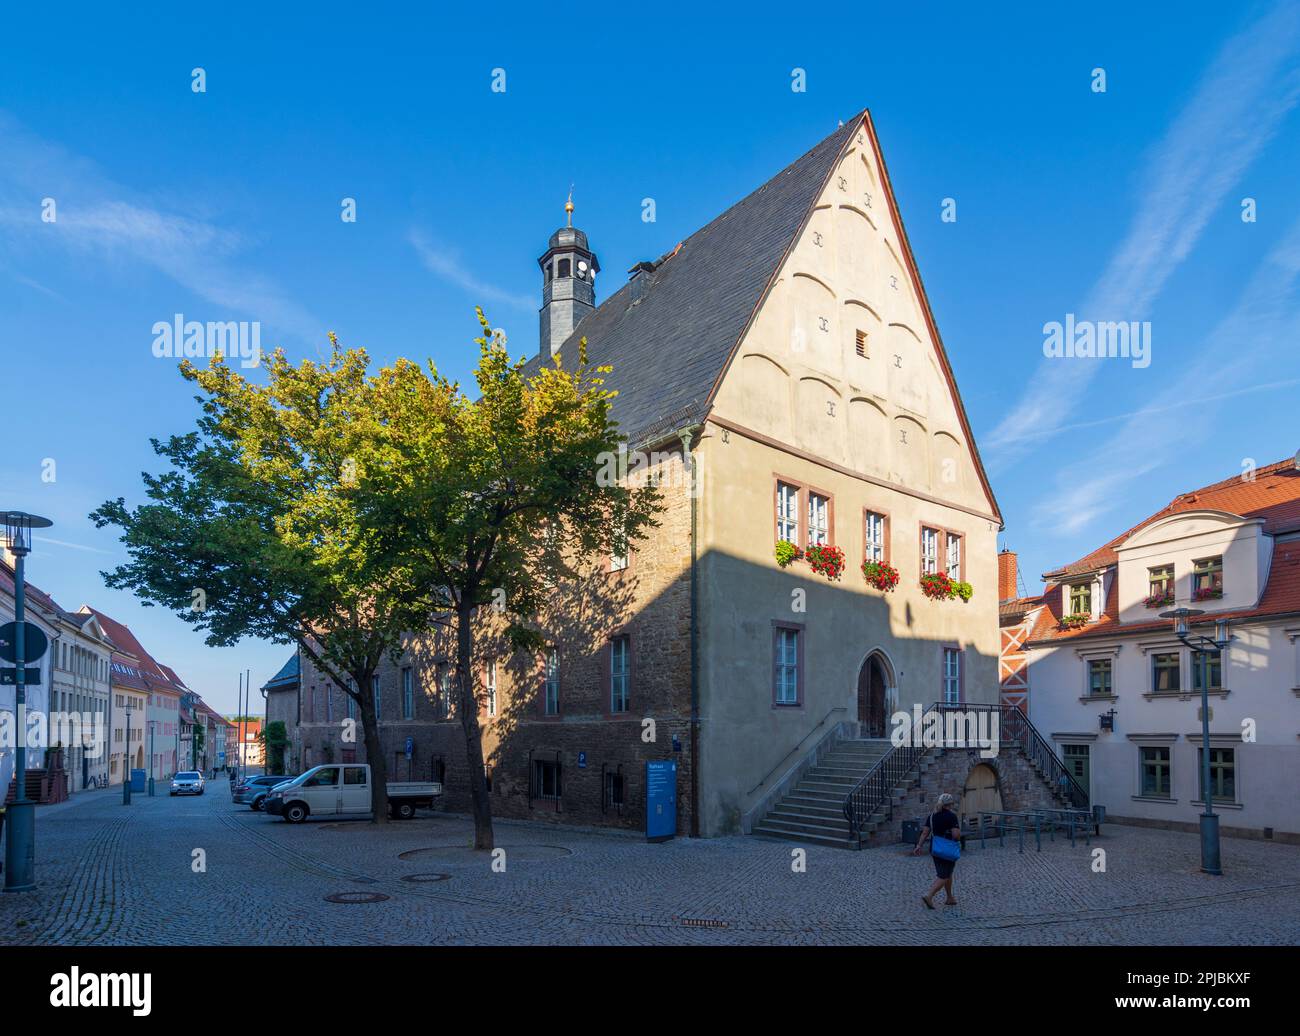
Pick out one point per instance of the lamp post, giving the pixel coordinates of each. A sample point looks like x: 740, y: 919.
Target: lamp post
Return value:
x: 1210, y: 860
x: 126, y: 758
x: 152, y: 724
x: 20, y: 848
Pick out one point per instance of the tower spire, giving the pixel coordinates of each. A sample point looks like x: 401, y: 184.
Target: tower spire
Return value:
x: 569, y: 269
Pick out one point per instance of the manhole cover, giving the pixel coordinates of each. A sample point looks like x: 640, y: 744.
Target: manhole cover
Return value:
x: 464, y: 855
x: 431, y: 876
x: 356, y: 897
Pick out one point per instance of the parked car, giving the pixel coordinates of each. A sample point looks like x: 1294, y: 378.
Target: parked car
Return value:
x: 188, y: 782
x: 243, y: 790
x: 344, y: 790
x: 259, y: 787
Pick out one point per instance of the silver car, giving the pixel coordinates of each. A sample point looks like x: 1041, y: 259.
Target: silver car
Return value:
x: 188, y: 782
x: 257, y: 788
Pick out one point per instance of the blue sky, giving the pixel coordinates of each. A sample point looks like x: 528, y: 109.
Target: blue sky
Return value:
x: 225, y: 205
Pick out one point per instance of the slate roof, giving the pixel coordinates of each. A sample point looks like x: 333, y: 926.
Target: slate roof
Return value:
x: 287, y: 676
x: 669, y: 341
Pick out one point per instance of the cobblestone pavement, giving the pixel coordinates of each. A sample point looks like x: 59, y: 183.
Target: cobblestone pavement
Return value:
x: 116, y: 875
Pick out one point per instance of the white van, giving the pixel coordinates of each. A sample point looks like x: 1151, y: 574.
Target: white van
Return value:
x: 343, y: 789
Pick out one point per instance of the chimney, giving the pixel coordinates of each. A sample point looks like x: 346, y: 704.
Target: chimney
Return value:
x: 1007, y: 575
x: 639, y: 277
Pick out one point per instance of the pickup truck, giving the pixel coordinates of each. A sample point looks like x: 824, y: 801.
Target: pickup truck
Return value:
x: 343, y: 789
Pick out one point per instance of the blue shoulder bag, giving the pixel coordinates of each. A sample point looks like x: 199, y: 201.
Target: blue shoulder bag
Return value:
x: 944, y: 848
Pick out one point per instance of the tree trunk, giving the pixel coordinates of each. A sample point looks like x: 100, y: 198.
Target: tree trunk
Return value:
x: 467, y: 706
x: 374, y: 748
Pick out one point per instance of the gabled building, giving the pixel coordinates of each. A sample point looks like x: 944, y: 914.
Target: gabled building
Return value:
x: 781, y: 374
x: 137, y: 673
x: 1119, y: 695
x: 284, y: 705
x: 72, y: 696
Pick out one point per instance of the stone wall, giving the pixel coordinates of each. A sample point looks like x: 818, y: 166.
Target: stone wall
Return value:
x: 649, y: 601
x: 947, y: 769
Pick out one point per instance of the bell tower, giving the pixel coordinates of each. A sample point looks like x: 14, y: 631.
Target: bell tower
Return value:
x: 569, y: 271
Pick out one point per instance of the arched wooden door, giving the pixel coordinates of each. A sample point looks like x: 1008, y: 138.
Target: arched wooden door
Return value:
x: 981, y: 793
x: 871, y: 697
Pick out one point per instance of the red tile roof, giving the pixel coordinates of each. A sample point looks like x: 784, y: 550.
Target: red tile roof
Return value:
x: 1274, y: 495
x: 34, y: 594
x: 155, y: 675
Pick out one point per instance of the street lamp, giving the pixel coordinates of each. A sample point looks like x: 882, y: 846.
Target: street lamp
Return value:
x: 152, y: 724
x: 1210, y: 862
x: 126, y: 758
x: 20, y: 848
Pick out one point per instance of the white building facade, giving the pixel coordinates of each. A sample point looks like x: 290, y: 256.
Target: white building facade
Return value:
x: 1120, y: 695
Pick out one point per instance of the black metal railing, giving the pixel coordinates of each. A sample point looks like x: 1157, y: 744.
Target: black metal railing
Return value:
x: 1025, y: 735
x: 873, y: 792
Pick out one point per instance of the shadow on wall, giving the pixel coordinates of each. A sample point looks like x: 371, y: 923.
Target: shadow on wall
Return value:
x: 622, y: 693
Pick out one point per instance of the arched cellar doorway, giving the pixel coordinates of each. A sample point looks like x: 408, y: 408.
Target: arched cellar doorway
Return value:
x: 873, y: 694
x: 981, y: 794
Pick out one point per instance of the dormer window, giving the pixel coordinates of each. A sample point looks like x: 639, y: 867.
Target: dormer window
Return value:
x: 1162, y: 582
x: 1081, y: 599
x: 1207, y: 579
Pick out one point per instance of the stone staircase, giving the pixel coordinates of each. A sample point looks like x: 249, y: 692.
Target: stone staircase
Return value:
x: 813, y: 812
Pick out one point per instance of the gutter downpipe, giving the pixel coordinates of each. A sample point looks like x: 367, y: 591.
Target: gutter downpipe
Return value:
x: 686, y: 435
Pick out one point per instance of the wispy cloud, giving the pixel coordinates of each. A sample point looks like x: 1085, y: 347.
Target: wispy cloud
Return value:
x: 447, y: 264
x: 1243, y: 353
x: 1236, y: 109
x: 72, y: 546
x: 96, y: 215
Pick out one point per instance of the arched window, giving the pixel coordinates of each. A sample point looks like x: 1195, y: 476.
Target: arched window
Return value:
x: 563, y: 268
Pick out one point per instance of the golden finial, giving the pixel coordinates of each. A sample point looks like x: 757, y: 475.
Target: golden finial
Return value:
x: 568, y: 208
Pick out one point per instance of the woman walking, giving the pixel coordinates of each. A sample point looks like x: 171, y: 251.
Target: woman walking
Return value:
x: 944, y: 848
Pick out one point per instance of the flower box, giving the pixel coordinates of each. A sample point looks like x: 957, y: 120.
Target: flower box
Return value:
x: 1074, y: 622
x: 1208, y: 593
x: 1159, y: 600
x: 787, y: 552
x: 825, y: 560
x: 883, y: 577
x: 939, y: 586
x: 936, y: 586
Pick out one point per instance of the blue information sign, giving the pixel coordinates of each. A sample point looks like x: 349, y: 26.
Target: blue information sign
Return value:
x: 410, y: 747
x: 660, y: 800
x: 582, y: 760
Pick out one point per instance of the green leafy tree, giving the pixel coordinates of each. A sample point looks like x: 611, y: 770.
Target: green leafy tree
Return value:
x: 254, y: 529
x: 493, y: 496
x: 197, y: 744
x: 274, y: 739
